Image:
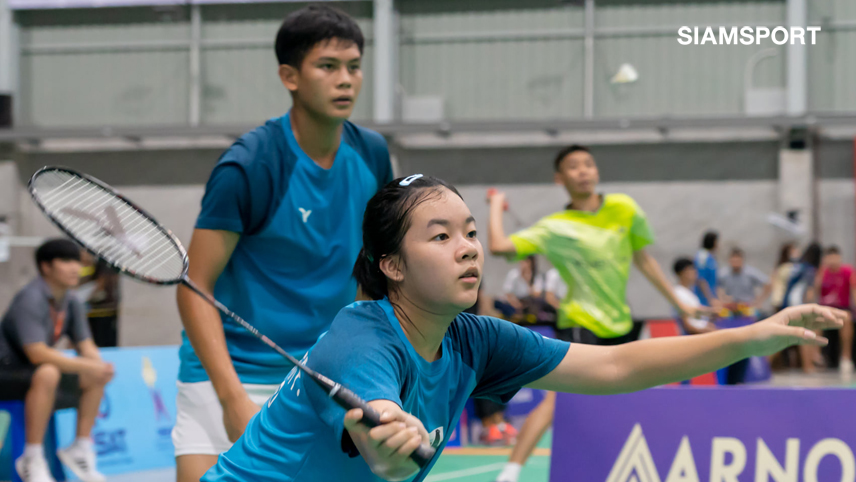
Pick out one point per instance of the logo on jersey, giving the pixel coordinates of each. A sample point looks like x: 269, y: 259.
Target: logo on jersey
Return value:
x: 290, y: 380
x: 634, y: 463
x: 305, y: 214
x: 435, y: 438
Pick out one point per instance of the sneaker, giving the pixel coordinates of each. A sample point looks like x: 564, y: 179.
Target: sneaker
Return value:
x: 845, y: 366
x: 33, y: 469
x: 509, y: 434
x: 492, y: 436
x: 81, y: 461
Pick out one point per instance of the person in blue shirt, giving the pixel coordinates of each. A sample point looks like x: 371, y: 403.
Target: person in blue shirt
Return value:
x: 277, y: 235
x: 416, y: 357
x: 707, y: 268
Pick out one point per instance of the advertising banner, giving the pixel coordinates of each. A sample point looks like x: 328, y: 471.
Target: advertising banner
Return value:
x: 700, y: 434
x: 133, y: 430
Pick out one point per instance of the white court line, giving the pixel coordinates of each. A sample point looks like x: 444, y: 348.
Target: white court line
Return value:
x: 465, y: 472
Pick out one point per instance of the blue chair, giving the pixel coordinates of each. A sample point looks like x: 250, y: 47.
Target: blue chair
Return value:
x: 15, y: 408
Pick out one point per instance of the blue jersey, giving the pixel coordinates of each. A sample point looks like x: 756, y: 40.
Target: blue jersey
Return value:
x: 297, y: 436
x: 707, y: 269
x: 301, y: 231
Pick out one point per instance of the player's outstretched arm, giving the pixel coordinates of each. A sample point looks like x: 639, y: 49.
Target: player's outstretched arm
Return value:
x: 209, y: 251
x: 387, y: 448
x: 498, y: 242
x: 649, y: 363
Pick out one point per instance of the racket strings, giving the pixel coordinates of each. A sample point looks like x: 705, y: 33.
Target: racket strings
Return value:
x: 108, y: 225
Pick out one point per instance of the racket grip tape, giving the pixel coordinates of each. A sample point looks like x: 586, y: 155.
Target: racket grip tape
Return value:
x: 349, y: 400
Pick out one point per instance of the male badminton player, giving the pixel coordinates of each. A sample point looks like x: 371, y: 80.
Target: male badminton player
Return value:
x: 416, y: 357
x: 592, y: 243
x: 277, y: 236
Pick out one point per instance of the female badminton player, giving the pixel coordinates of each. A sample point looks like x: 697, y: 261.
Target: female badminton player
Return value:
x: 417, y: 358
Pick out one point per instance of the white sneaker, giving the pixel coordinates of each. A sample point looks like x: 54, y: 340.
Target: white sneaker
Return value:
x: 845, y: 366
x: 82, y: 462
x: 33, y: 469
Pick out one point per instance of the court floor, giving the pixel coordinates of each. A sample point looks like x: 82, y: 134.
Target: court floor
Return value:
x: 482, y: 464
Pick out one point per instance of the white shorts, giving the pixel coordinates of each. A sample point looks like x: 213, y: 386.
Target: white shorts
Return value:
x: 199, y: 428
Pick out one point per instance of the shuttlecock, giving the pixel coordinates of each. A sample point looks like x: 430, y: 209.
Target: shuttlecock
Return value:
x: 626, y: 74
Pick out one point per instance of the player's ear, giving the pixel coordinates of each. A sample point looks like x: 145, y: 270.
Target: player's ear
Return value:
x: 558, y: 179
x: 391, y: 267
x: 288, y: 75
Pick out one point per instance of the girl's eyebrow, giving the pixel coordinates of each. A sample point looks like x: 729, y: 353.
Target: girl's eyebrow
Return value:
x: 445, y: 222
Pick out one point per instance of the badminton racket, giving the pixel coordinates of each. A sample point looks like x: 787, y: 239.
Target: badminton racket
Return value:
x: 122, y: 234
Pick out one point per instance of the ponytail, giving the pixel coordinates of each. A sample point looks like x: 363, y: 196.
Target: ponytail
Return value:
x: 369, y: 276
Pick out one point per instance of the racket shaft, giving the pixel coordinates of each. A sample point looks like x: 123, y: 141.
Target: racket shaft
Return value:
x: 344, y: 397
x: 349, y: 400
x: 252, y: 329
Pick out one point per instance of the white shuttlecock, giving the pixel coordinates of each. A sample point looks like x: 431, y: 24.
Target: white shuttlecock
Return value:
x: 625, y: 75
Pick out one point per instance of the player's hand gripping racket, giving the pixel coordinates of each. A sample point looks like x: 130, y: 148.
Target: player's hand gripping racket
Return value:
x: 113, y: 228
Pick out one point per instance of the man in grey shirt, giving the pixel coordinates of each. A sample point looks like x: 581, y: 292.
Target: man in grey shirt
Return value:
x: 739, y: 283
x: 31, y: 369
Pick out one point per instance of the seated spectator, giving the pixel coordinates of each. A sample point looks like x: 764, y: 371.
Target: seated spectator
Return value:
x: 555, y: 289
x: 836, y: 286
x: 522, y: 291
x: 103, y: 305
x: 800, y: 290
x: 800, y: 287
x: 788, y: 256
x: 687, y: 279
x: 738, y: 285
x: 706, y: 267
x: 31, y: 369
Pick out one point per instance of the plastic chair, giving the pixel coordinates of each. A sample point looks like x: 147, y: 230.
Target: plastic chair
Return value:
x: 18, y: 437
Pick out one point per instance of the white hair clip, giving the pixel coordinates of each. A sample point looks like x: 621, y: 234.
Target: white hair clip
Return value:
x: 407, y: 180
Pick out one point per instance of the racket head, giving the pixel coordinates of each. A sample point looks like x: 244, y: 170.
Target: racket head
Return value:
x: 109, y: 225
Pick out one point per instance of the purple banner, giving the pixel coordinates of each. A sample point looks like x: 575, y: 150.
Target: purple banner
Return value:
x: 706, y: 435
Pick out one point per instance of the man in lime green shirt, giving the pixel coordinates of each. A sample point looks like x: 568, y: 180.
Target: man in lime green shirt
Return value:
x: 592, y: 244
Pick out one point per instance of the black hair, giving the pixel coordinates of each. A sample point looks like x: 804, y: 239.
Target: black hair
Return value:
x: 567, y: 151
x: 785, y: 254
x: 59, y: 248
x: 385, y: 222
x: 533, y: 262
x: 812, y: 255
x: 681, y: 264
x: 305, y: 28
x: 833, y: 249
x: 737, y: 252
x: 708, y: 242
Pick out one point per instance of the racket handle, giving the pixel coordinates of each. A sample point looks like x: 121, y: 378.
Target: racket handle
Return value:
x: 349, y: 400
x: 491, y: 191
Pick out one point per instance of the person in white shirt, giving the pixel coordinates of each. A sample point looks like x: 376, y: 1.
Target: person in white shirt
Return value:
x: 687, y: 278
x: 522, y: 286
x: 555, y: 288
